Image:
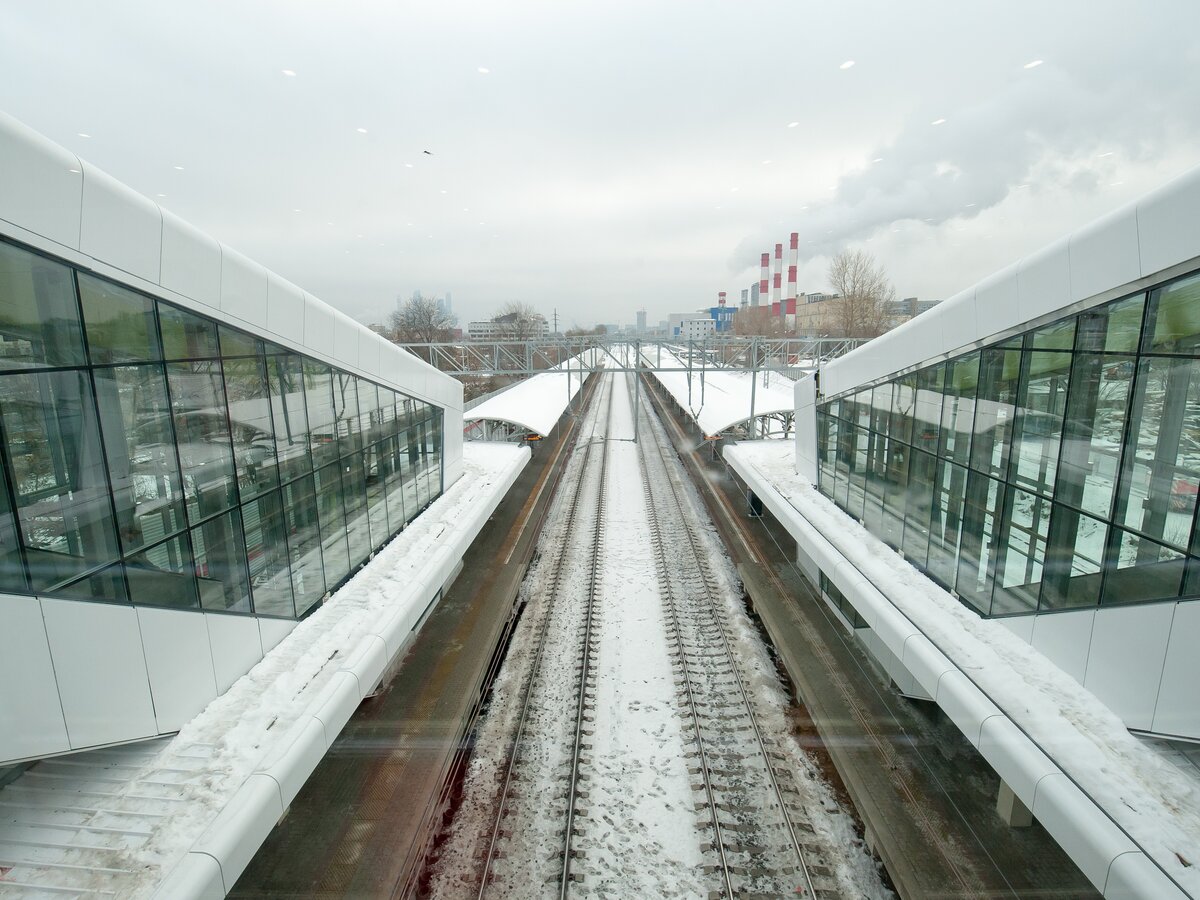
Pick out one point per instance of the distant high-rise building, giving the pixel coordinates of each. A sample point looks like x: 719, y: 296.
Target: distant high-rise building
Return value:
x: 641, y: 321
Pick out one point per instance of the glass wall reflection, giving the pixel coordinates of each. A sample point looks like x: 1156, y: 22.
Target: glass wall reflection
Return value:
x: 1058, y: 469
x: 154, y: 456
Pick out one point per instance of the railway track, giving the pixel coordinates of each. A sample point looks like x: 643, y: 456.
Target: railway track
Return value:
x: 750, y: 806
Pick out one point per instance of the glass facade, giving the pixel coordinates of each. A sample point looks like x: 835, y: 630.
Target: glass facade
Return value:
x: 154, y: 456
x: 1058, y: 469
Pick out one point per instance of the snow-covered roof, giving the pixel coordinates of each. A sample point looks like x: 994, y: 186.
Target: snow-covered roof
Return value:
x: 535, y: 404
x: 720, y: 398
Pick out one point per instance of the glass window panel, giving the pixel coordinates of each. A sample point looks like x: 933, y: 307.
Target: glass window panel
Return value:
x: 119, y: 323
x: 345, y: 407
x: 412, y: 470
x: 995, y: 410
x: 39, y: 318
x: 1022, y: 553
x: 106, y: 584
x: 945, y: 522
x: 1142, y: 570
x: 219, y: 547
x: 318, y: 395
x: 895, y: 494
x: 250, y: 424
x: 332, y: 514
x: 857, y: 472
x: 238, y: 343
x: 435, y: 454
x: 270, y: 347
x: 186, y: 335
x: 58, y: 474
x: 1074, y: 556
x: 368, y: 407
x: 904, y: 407
x: 1173, y: 323
x: 1161, y: 470
x: 202, y: 436
x: 139, y: 442
x: 918, y: 504
x: 292, y: 442
x: 881, y: 408
x: 1055, y: 336
x: 958, y: 408
x: 1112, y: 328
x: 354, y: 494
x: 928, y: 408
x: 1038, y: 430
x: 304, y: 543
x: 391, y: 468
x: 267, y: 556
x: 982, y: 512
x: 377, y: 512
x: 827, y: 452
x: 1093, y: 430
x: 163, y: 575
x: 12, y: 567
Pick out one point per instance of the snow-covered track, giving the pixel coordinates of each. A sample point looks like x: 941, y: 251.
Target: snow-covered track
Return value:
x: 574, y: 548
x: 752, y: 809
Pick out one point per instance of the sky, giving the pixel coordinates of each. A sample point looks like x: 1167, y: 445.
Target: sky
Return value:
x: 597, y: 157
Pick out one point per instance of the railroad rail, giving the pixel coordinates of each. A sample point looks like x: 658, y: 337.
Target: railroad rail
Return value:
x: 755, y: 839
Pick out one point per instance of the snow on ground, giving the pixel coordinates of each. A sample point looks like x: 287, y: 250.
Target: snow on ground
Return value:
x: 236, y: 731
x: 1155, y: 801
x: 722, y: 397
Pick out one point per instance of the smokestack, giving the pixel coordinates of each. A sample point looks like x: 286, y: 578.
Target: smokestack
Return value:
x: 763, y: 277
x: 721, y: 298
x: 793, y: 261
x: 778, y: 275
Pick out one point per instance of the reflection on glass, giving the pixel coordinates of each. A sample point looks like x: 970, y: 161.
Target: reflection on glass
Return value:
x: 267, y: 556
x: 1022, y: 553
x: 162, y: 575
x: 332, y: 516
x: 202, y: 436
x: 186, y: 335
x: 318, y: 394
x: 1143, y: 571
x: 58, y: 474
x: 1174, y: 322
x: 251, y: 425
x: 304, y: 543
x: 1041, y: 402
x: 39, y: 318
x: 1074, y: 555
x: 995, y: 410
x: 354, y: 495
x: 286, y: 376
x: 140, y: 445
x: 12, y: 567
x: 119, y: 323
x: 220, y: 551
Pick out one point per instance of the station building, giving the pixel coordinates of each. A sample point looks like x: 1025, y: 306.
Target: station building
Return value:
x: 1032, y: 445
x: 194, y: 453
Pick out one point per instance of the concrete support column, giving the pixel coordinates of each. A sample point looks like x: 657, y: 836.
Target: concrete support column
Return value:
x: 1014, y: 813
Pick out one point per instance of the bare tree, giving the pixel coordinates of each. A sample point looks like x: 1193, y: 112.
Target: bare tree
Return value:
x: 864, y: 309
x: 420, y: 320
x: 519, y: 321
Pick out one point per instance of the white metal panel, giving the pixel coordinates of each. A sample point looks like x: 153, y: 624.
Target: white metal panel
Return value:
x: 272, y: 631
x: 180, y: 664
x: 1021, y: 626
x: 1125, y: 665
x: 1105, y: 254
x: 191, y: 261
x: 959, y: 326
x: 345, y: 339
x: 806, y: 429
x: 241, y: 827
x: 997, y: 303
x: 926, y: 662
x: 318, y: 325
x: 1044, y: 281
x: 368, y: 351
x: 452, y: 460
x: 336, y: 703
x: 894, y: 628
x: 367, y: 663
x: 1089, y: 838
x: 1132, y: 876
x: 296, y: 756
x: 1064, y: 638
x: 119, y: 226
x: 41, y: 184
x: 236, y: 647
x: 1014, y: 757
x: 31, y: 717
x: 1177, y: 711
x: 102, y: 680
x: 243, y: 288
x: 1168, y: 227
x: 285, y: 308
x: 965, y: 704
x: 411, y: 374
x: 196, y: 877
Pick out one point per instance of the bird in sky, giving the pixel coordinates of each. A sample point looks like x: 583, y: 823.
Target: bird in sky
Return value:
x: 427, y: 152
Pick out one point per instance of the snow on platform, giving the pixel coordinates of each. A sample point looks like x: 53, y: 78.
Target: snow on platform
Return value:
x: 537, y: 403
x: 181, y: 817
x: 722, y: 398
x: 1125, y: 809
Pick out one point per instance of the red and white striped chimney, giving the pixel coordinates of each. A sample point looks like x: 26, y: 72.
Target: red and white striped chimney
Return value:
x: 764, y: 279
x: 775, y: 287
x: 721, y: 298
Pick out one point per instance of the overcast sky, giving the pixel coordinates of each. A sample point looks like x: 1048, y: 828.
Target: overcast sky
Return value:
x: 597, y: 158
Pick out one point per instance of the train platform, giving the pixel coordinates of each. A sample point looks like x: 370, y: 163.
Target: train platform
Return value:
x: 181, y: 817
x: 1106, y: 796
